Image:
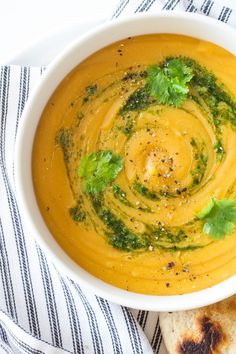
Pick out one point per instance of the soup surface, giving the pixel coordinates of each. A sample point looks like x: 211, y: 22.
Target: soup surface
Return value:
x: 134, y: 164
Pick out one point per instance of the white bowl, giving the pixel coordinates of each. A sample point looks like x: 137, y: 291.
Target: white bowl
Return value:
x: 165, y: 22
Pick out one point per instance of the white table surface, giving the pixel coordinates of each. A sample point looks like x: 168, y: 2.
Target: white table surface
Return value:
x: 23, y: 22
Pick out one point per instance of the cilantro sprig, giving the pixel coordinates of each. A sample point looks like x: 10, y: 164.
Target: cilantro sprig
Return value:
x: 168, y: 84
x: 99, y: 169
x: 219, y: 218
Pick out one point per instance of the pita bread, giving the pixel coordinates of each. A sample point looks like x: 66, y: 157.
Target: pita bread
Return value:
x: 209, y: 330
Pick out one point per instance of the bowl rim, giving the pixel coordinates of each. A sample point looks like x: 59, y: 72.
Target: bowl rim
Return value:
x: 55, y: 72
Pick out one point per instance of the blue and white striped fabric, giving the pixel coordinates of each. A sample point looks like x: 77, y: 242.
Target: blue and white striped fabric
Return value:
x: 40, y: 310
x: 223, y: 10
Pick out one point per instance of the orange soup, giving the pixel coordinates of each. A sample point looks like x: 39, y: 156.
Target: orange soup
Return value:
x: 134, y: 164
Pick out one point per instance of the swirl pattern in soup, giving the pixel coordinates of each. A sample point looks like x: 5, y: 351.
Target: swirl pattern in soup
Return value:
x: 128, y: 153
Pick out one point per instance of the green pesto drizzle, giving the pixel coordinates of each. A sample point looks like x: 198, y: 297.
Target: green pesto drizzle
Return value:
x: 120, y: 195
x: 134, y: 75
x: 165, y: 235
x: 63, y: 139
x: 219, y: 149
x: 200, y: 158
x: 120, y: 237
x: 137, y: 101
x: 151, y: 195
x: 144, y: 191
x: 118, y: 234
x: 77, y: 214
x: 213, y: 93
x: 89, y: 91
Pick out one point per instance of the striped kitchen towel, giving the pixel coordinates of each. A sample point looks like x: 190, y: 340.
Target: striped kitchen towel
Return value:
x: 42, y: 311
x: 223, y: 10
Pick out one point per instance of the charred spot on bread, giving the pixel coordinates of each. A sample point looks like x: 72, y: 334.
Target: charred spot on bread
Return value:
x: 211, y: 338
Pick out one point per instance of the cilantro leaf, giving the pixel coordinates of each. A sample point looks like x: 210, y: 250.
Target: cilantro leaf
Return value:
x: 169, y: 84
x: 98, y: 169
x: 219, y: 218
x: 175, y: 68
x: 158, y: 84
